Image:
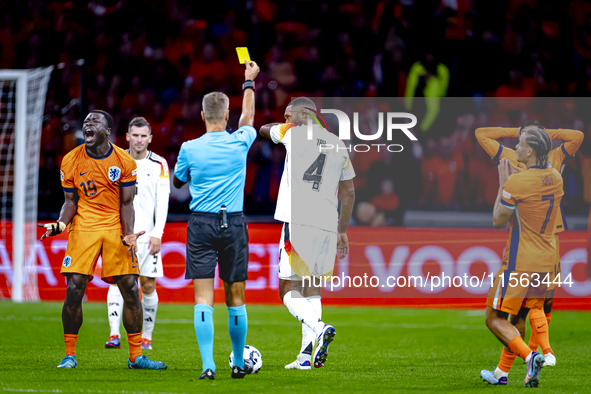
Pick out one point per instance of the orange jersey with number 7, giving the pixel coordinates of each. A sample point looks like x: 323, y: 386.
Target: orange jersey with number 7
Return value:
x: 98, y: 183
x: 535, y: 195
x: 557, y: 157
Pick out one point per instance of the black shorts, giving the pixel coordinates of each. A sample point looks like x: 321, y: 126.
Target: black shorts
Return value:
x: 209, y: 244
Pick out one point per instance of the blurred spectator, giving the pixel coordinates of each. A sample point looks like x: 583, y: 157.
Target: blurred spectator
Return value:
x: 427, y: 78
x: 442, y: 172
x: 387, y: 201
x: 49, y: 186
x: 368, y: 215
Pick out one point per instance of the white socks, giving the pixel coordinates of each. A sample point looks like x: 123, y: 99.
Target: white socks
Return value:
x: 150, y: 307
x: 316, y: 303
x: 308, y: 336
x: 302, y: 310
x: 499, y: 374
x: 528, y: 357
x: 115, y: 308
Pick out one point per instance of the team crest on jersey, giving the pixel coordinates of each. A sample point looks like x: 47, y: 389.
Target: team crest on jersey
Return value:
x: 149, y: 173
x: 114, y: 174
x: 62, y: 175
x: 67, y: 261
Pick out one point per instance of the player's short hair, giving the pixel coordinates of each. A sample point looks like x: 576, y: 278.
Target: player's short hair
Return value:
x: 539, y: 140
x: 107, y: 116
x: 139, y: 122
x: 302, y: 102
x: 215, y: 105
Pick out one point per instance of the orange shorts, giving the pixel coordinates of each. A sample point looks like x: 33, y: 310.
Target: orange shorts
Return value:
x: 85, y: 247
x: 512, y: 290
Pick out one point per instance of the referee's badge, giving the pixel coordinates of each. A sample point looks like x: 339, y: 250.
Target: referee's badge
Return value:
x: 114, y: 173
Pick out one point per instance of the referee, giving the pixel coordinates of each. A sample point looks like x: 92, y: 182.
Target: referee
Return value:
x: 215, y: 166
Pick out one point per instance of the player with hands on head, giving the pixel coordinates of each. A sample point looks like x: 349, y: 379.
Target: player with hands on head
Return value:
x: 151, y: 208
x: 528, y: 201
x: 557, y: 158
x: 101, y: 220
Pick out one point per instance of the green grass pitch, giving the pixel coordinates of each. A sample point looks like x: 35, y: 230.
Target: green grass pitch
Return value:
x: 375, y: 350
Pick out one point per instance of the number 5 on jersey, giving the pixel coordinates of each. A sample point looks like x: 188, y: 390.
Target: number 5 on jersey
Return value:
x: 314, y: 173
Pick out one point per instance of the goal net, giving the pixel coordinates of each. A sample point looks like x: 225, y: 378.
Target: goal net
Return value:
x: 22, y: 103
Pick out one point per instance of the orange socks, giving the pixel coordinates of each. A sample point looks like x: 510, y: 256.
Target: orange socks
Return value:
x: 134, y: 340
x: 507, y: 359
x: 70, y: 340
x: 518, y: 346
x: 539, y: 331
x: 135, y: 345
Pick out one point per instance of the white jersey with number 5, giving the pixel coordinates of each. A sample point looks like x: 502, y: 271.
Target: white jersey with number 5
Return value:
x: 151, y: 200
x: 308, y: 193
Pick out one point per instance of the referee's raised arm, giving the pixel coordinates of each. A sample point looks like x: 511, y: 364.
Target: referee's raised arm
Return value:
x: 247, y: 116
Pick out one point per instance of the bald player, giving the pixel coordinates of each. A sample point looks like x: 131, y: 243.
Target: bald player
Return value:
x: 314, y: 231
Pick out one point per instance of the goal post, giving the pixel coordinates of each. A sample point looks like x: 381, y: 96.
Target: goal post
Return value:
x: 22, y: 104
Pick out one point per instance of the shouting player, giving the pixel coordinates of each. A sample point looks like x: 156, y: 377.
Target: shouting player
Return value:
x: 151, y: 207
x: 101, y: 220
x: 529, y: 200
x: 312, y: 235
x: 539, y: 320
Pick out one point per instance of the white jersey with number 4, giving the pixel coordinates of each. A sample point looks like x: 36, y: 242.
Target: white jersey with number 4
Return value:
x: 308, y: 193
x: 151, y: 198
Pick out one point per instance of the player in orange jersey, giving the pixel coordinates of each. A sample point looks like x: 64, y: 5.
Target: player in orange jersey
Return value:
x: 101, y: 224
x: 487, y: 136
x: 528, y: 200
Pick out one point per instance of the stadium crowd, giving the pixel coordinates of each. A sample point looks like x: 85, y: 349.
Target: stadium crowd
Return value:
x: 157, y: 59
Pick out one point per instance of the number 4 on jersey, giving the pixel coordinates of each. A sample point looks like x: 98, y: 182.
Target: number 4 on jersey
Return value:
x: 314, y: 173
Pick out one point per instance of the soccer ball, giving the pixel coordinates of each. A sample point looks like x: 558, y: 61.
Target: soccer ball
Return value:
x: 250, y: 353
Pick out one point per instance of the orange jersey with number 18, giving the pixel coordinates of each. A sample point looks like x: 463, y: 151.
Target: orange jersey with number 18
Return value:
x: 98, y: 183
x: 535, y: 195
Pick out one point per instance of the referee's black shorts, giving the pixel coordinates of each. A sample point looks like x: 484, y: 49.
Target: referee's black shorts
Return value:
x: 209, y: 244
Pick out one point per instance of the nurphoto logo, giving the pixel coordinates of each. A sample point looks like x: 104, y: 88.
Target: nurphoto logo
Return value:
x: 345, y: 129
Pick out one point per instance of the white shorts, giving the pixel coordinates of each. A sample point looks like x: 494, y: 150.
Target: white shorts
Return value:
x: 306, y: 251
x: 150, y: 265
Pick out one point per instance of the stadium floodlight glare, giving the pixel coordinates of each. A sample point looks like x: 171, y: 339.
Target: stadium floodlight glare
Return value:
x: 22, y: 95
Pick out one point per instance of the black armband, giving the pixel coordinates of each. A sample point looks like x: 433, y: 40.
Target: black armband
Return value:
x: 248, y: 84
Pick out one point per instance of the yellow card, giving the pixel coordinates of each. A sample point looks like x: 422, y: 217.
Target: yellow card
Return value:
x: 243, y: 55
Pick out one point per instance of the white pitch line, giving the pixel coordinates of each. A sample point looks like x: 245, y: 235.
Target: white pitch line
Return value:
x: 477, y: 312
x: 336, y: 323
x: 85, y: 391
